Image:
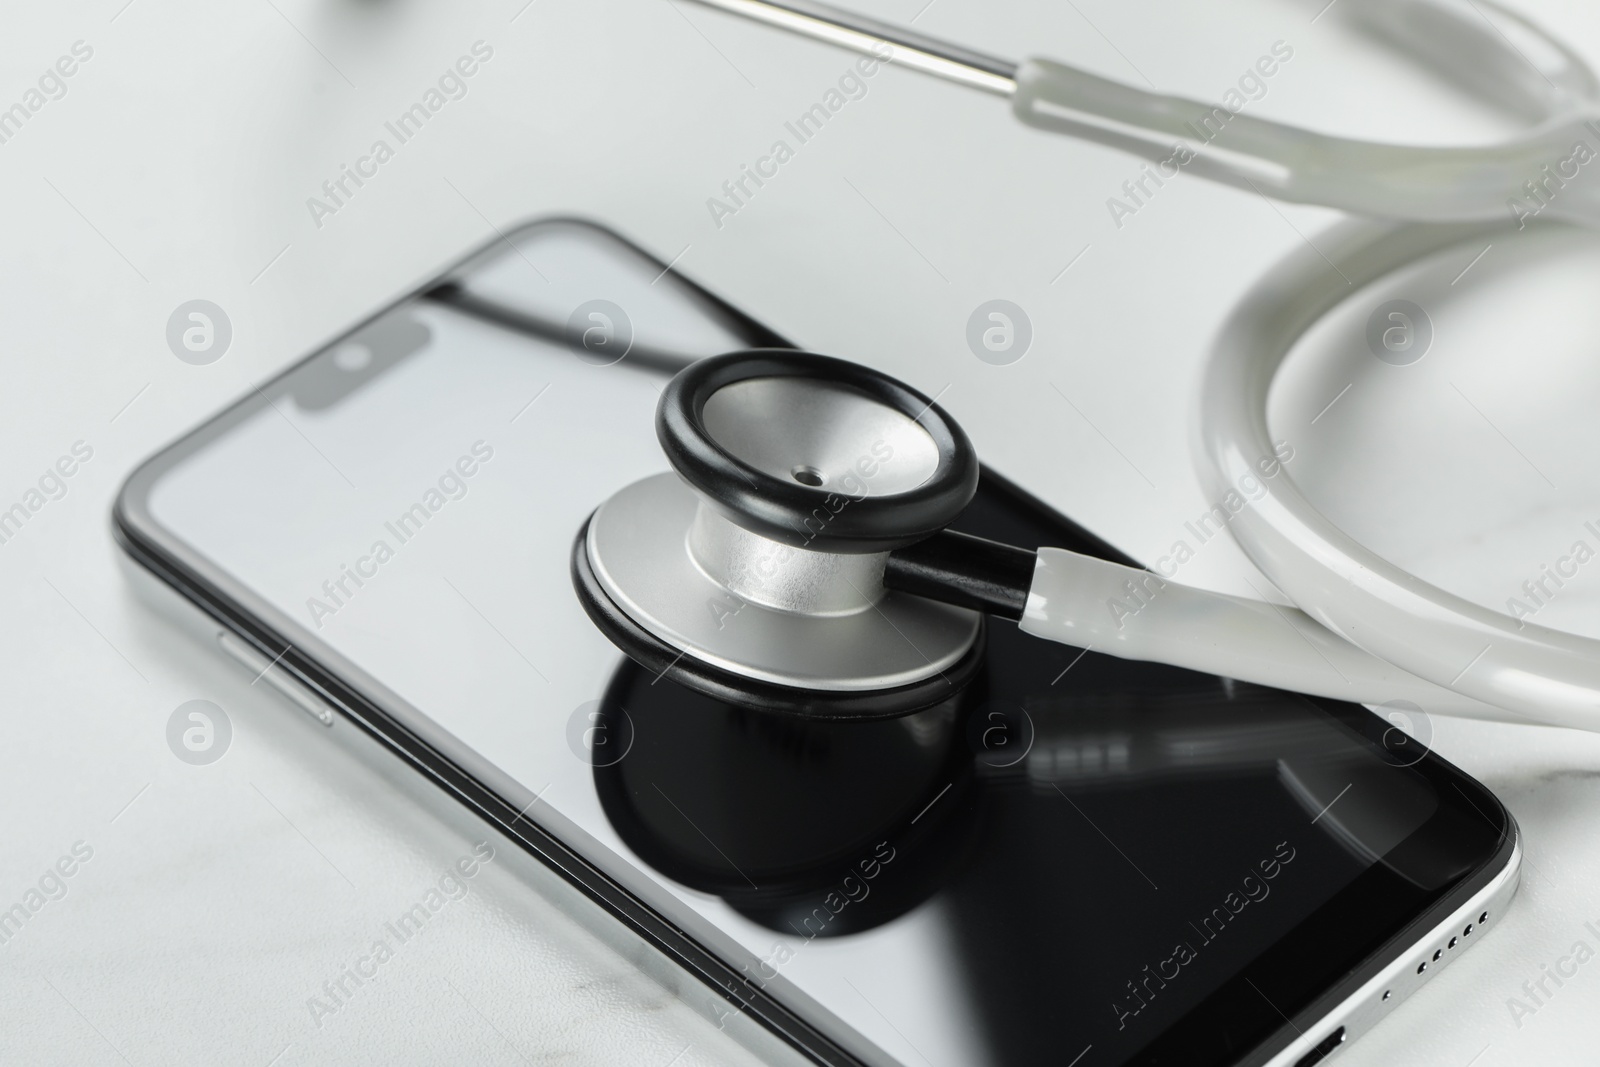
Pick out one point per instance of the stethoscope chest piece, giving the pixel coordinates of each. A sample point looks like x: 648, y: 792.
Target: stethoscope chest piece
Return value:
x: 754, y: 572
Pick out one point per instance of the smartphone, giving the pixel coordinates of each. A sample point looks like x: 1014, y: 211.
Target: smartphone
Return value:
x: 1077, y: 860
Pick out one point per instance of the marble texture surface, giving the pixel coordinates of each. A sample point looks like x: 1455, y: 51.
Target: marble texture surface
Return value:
x: 178, y: 162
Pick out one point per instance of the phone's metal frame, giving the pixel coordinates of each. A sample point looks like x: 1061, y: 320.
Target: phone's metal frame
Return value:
x: 1351, y: 1007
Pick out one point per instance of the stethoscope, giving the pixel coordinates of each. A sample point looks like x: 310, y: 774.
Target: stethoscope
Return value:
x: 796, y: 559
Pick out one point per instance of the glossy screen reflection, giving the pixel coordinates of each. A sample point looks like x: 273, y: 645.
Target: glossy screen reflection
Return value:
x: 1111, y: 842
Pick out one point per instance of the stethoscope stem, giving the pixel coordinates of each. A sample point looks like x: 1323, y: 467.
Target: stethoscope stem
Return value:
x: 966, y: 571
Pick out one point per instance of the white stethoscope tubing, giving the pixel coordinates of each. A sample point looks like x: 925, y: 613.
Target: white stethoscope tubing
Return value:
x: 1502, y: 55
x: 1546, y: 675
x: 1234, y: 637
x: 1369, y: 631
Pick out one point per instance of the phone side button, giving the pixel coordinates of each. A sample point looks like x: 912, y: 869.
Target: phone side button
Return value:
x: 261, y: 667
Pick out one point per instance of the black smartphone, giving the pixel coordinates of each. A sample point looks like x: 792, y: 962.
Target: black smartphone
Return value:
x: 1078, y: 860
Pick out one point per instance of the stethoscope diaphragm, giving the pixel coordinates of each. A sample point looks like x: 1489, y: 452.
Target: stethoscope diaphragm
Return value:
x: 757, y: 571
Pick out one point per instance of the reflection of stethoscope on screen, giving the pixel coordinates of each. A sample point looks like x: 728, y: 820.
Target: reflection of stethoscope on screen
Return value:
x: 798, y: 559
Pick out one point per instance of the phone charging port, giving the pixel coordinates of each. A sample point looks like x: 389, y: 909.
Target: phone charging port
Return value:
x: 1325, y: 1046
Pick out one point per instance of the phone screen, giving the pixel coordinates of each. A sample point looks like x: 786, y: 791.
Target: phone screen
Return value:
x: 1079, y: 860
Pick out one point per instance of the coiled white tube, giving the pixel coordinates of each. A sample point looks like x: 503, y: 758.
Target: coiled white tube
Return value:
x: 1367, y: 630
x: 1541, y: 673
x: 1384, y: 633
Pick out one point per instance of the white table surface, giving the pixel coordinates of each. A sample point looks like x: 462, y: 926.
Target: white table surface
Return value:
x: 177, y: 166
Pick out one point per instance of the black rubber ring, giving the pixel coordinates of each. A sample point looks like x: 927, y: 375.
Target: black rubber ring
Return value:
x: 806, y: 516
x: 660, y: 658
